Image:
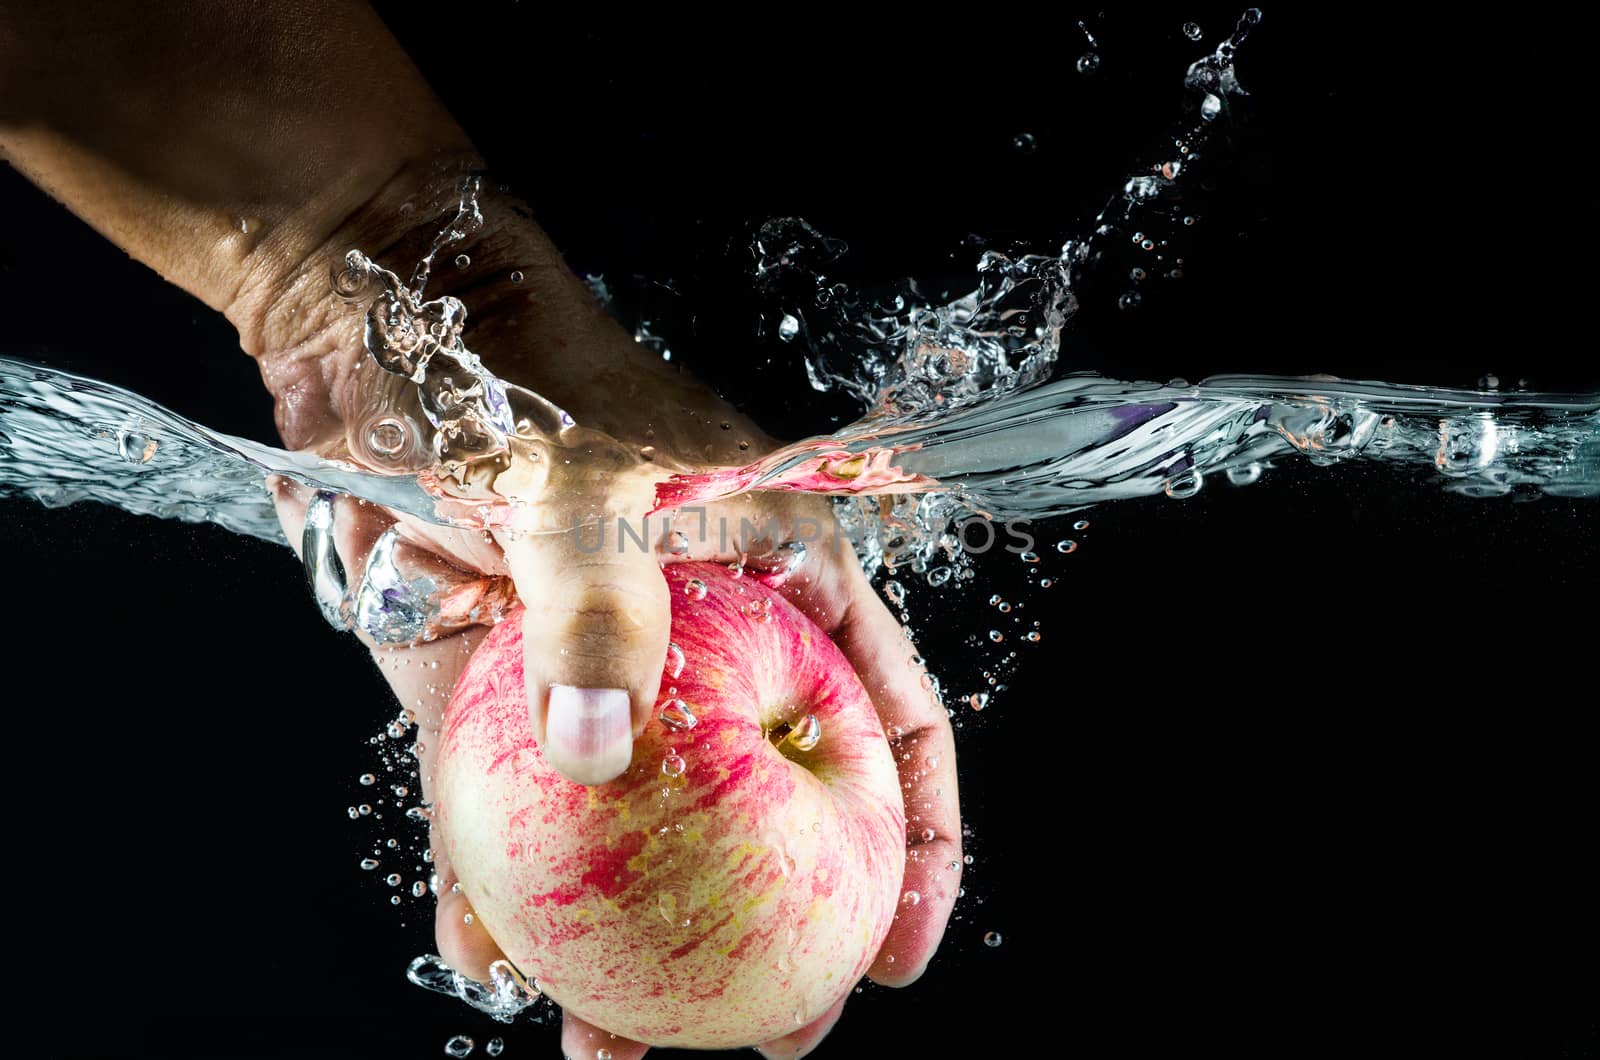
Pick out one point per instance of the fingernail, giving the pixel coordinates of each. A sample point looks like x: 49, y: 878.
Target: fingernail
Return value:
x: 588, y: 733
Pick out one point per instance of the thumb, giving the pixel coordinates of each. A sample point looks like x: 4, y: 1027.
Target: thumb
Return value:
x: 594, y: 641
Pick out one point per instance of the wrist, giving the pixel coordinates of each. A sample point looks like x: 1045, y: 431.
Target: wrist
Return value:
x: 530, y: 319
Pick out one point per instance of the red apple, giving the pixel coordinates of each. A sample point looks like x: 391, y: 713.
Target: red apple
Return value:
x: 738, y: 879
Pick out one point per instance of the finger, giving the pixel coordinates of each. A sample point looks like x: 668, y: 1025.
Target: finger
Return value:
x: 594, y: 641
x: 580, y: 1039
x: 793, y: 1046
x: 463, y: 941
x: 925, y: 752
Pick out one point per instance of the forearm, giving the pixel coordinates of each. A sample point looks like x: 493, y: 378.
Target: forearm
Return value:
x: 240, y: 150
x: 219, y: 143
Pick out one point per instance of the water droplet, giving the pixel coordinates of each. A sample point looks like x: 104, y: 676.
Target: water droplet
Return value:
x: 1252, y: 15
x: 458, y: 1046
x: 1024, y: 143
x: 911, y: 898
x: 1029, y: 557
x: 1191, y: 30
x: 367, y: 780
x: 418, y: 814
x: 393, y: 879
x: 978, y: 700
x: 363, y: 809
x: 1210, y: 107
x: 1032, y: 636
x: 759, y: 610
x: 462, y: 261
x: 788, y: 328
x: 938, y: 576
x: 602, y: 1054
x: 992, y: 939
x: 369, y: 863
x: 675, y: 714
x: 1066, y: 546
x: 928, y: 835
x: 418, y: 889
x: 996, y: 636
x: 1129, y: 300
x: 674, y: 665
x: 894, y: 592
x: 695, y: 589
x: 1088, y: 62
x: 673, y: 765
x: 805, y: 734
x: 516, y: 277
x: 494, y: 1046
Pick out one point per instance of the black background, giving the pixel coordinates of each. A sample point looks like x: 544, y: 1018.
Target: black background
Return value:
x: 1300, y: 765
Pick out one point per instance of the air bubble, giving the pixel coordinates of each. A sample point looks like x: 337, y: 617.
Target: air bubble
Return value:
x: 1192, y: 30
x: 1024, y: 143
x: 1129, y: 300
x: 1244, y: 476
x: 1088, y: 62
x: 135, y: 447
x: 673, y: 765
x: 1029, y: 557
x: 996, y: 636
x: 911, y: 898
x: 1066, y: 546
x: 1184, y: 486
x: 978, y: 700
x: 494, y: 1046
x: 992, y: 939
x: 1210, y: 107
x: 895, y: 592
x: 367, y: 780
x: 387, y: 437
x: 458, y: 1046
x: 516, y: 277
x: 369, y: 863
x: 462, y: 261
x: 393, y: 879
x: 1081, y: 524
x: 788, y: 328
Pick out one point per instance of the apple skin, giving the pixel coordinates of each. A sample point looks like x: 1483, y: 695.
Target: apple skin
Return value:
x: 724, y: 907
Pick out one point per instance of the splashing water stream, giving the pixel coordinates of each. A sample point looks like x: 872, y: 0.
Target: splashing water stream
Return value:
x: 967, y: 412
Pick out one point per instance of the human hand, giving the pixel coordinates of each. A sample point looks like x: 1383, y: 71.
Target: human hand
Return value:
x: 601, y: 619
